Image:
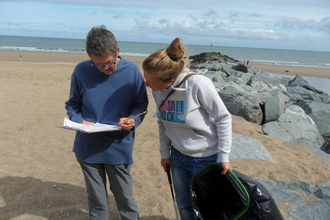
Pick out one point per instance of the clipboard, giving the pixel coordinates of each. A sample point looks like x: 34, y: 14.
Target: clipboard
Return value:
x: 95, y: 128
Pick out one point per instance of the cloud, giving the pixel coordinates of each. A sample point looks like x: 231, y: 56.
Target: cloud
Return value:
x: 187, y: 4
x: 211, y: 12
x: 254, y: 15
x: 322, y: 25
x: 272, y: 22
x: 233, y: 15
x: 203, y: 27
x: 118, y: 16
x: 163, y: 21
x: 12, y: 24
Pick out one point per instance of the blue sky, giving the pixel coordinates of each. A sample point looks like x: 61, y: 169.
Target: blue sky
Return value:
x: 282, y: 24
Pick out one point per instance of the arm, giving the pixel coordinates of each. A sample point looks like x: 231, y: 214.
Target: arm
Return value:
x: 213, y: 104
x: 165, y: 142
x: 140, y: 102
x: 73, y: 105
x: 165, y: 145
x: 139, y: 105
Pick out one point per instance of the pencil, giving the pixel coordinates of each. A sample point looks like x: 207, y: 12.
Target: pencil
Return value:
x: 137, y: 115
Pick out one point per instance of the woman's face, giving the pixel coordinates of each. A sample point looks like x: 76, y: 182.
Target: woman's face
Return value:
x: 154, y: 83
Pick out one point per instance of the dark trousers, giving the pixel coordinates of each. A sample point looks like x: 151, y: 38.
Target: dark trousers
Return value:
x: 120, y: 181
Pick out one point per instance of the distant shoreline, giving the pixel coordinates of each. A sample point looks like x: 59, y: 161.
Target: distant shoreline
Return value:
x: 74, y: 58
x: 294, y: 70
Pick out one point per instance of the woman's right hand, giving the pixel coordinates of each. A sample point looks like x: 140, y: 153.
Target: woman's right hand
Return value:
x: 226, y: 166
x: 165, y: 161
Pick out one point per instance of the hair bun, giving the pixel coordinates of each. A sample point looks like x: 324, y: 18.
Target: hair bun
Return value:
x: 175, y: 50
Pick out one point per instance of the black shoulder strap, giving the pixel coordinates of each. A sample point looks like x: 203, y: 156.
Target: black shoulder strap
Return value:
x: 177, y: 86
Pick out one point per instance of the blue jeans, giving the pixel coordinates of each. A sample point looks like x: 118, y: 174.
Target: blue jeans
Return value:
x: 183, y: 169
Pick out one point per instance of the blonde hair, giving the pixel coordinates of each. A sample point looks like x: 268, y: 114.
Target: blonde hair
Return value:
x: 166, y: 64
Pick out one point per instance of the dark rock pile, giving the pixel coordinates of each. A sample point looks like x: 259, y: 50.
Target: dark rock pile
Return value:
x: 211, y: 56
x: 289, y: 109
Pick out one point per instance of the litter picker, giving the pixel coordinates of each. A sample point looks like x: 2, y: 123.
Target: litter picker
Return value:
x: 168, y: 171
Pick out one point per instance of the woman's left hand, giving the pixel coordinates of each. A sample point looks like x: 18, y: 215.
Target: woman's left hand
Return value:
x: 226, y: 166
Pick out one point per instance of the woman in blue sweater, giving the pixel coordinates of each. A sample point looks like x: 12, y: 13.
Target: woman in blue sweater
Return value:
x: 194, y: 124
x: 107, y: 89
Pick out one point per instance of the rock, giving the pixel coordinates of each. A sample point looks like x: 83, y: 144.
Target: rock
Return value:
x: 210, y: 56
x: 251, y: 94
x: 294, y: 124
x: 301, y: 82
x: 313, y: 211
x: 241, y: 68
x: 296, y: 127
x: 320, y: 113
x: 274, y: 107
x: 241, y: 104
x: 285, y: 80
x: 235, y: 75
x: 260, y: 97
x: 297, y: 94
x: 285, y: 98
x: 323, y: 191
x: 230, y: 71
x: 215, y: 77
x: 261, y: 81
x: 298, y: 193
x: 246, y: 147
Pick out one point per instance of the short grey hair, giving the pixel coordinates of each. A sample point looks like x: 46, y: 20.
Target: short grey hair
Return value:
x: 100, y: 42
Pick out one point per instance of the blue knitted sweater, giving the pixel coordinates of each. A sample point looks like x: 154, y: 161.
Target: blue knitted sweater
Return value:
x: 97, y: 97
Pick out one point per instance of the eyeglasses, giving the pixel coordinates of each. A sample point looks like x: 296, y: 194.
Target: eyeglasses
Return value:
x: 101, y: 66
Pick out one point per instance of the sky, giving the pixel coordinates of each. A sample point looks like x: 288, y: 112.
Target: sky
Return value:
x: 279, y: 24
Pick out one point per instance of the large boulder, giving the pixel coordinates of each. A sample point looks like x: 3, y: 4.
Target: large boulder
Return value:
x: 245, y: 147
x: 215, y: 77
x: 228, y: 69
x: 320, y: 113
x: 295, y: 126
x: 299, y: 89
x: 276, y: 93
x: 238, y: 103
x: 298, y: 193
x: 274, y: 107
x: 301, y: 82
x: 262, y: 81
x: 241, y: 68
x: 297, y: 94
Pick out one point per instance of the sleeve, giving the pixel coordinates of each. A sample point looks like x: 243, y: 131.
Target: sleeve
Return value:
x: 74, y: 103
x: 141, y: 100
x: 164, y: 141
x: 214, y: 106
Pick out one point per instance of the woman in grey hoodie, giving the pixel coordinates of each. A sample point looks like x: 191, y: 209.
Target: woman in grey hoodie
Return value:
x: 194, y: 124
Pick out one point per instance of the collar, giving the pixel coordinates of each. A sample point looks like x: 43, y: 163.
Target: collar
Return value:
x: 180, y: 77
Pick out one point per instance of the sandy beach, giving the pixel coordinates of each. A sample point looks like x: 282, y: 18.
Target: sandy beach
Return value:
x: 294, y: 70
x: 40, y: 177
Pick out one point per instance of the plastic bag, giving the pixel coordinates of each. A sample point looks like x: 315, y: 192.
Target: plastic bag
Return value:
x: 230, y: 197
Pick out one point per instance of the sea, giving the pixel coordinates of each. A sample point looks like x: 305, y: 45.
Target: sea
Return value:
x: 300, y: 58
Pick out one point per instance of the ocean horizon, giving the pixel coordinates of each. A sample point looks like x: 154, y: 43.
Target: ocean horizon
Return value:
x: 282, y: 57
